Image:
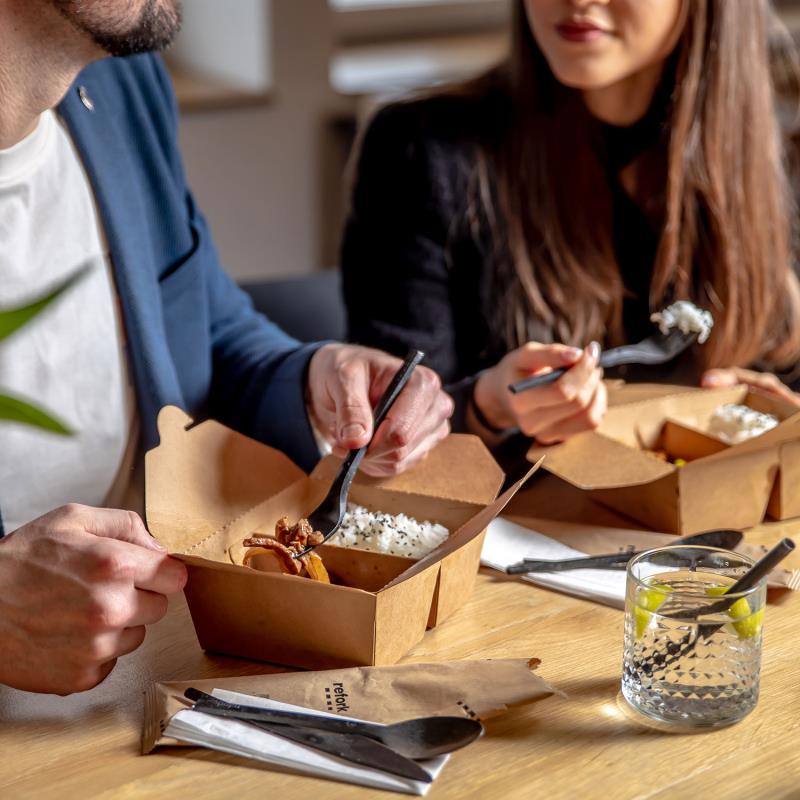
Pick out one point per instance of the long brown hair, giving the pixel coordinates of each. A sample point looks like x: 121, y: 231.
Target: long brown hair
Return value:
x: 723, y: 206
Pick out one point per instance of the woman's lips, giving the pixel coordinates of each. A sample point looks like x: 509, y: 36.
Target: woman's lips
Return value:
x: 573, y: 31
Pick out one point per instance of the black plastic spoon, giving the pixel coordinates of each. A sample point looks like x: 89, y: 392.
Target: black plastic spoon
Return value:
x: 424, y: 737
x: 723, y: 539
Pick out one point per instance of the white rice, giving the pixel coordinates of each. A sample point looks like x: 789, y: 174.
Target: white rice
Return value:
x: 386, y: 533
x: 686, y: 317
x: 734, y: 423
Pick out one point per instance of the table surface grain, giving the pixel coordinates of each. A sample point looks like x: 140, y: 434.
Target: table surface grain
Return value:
x: 584, y: 745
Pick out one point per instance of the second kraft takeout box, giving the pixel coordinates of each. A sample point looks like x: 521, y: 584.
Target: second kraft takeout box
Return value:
x: 208, y: 487
x: 720, y: 486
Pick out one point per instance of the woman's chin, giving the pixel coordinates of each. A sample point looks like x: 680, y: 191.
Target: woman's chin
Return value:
x: 585, y: 79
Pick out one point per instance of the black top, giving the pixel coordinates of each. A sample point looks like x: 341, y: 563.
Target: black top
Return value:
x: 416, y: 274
x: 412, y: 276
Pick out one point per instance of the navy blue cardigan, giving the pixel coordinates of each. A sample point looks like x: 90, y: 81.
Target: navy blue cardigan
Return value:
x: 194, y: 339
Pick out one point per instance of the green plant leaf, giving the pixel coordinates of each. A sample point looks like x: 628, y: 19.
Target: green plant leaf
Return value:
x: 16, y: 410
x: 13, y: 319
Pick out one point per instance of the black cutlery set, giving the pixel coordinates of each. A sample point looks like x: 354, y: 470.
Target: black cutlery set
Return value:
x: 390, y: 748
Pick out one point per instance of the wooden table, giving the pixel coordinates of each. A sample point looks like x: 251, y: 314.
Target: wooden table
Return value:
x: 582, y: 746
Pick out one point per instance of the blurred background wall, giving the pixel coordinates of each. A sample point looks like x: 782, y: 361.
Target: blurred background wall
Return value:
x: 271, y: 93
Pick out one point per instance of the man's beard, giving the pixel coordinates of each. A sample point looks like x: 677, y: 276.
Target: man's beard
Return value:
x: 153, y: 29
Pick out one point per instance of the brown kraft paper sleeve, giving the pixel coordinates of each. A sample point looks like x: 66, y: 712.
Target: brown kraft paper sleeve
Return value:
x: 479, y: 689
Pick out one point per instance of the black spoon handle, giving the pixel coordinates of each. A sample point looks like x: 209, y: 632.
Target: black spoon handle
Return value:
x: 724, y: 538
x: 677, y: 650
x: 763, y: 567
x: 756, y: 573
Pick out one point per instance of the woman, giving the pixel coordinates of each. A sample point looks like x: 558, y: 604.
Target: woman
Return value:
x: 627, y: 154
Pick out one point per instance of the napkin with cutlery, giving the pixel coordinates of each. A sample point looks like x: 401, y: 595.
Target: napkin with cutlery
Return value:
x: 241, y: 739
x: 476, y: 689
x: 507, y: 543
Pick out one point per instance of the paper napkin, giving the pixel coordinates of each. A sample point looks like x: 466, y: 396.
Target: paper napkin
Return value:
x: 507, y: 543
x: 241, y: 739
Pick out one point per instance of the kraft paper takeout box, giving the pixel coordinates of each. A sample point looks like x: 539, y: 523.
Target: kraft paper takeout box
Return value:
x: 721, y: 486
x: 208, y: 487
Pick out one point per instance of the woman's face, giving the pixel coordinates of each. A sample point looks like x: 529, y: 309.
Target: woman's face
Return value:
x: 593, y: 44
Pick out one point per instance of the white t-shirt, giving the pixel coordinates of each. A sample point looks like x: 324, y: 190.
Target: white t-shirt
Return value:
x: 69, y: 360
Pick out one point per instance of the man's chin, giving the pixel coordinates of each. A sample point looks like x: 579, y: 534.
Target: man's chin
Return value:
x: 155, y: 29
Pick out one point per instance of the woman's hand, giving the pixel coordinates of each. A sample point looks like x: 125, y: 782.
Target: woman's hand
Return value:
x: 765, y: 381
x: 574, y: 403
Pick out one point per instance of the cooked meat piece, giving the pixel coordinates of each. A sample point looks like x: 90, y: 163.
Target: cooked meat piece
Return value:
x: 298, y: 536
x: 283, y: 530
x: 288, y: 541
x: 303, y: 531
x: 258, y: 541
x: 288, y: 563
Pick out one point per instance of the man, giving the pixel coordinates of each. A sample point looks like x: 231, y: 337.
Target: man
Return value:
x: 90, y: 177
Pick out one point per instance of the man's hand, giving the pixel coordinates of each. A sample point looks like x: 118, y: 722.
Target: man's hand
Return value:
x: 344, y: 384
x: 77, y: 587
x: 576, y: 402
x: 765, y: 381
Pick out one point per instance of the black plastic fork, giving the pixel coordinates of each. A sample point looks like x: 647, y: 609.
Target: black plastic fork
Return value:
x: 327, y: 516
x: 656, y: 349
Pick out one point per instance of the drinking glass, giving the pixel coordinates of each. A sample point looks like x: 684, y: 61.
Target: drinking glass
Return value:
x: 684, y: 665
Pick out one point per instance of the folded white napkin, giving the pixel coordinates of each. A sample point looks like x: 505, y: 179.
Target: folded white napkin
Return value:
x: 507, y: 543
x: 241, y: 739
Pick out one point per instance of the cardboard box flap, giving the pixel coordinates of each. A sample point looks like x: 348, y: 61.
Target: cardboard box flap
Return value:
x: 766, y: 403
x: 469, y: 530
x: 461, y: 468
x: 612, y: 456
x: 721, y: 486
x: 787, y: 431
x: 593, y: 461
x: 639, y: 423
x: 200, y: 478
x: 681, y: 440
x: 622, y: 393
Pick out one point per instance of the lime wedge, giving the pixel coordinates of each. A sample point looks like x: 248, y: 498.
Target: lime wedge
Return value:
x: 748, y: 623
x: 647, y: 601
